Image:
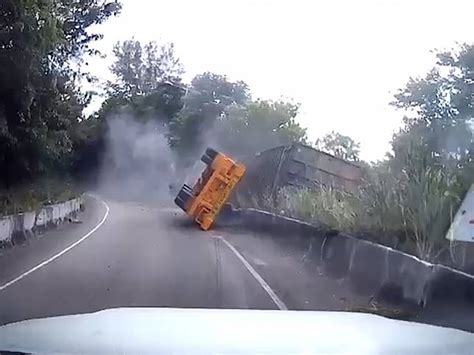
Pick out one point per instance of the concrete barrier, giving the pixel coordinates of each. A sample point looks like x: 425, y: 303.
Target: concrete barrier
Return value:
x: 18, y: 235
x: 15, y: 229
x: 336, y: 255
x: 29, y: 220
x: 367, y: 267
x: 44, y: 218
x: 372, y: 269
x: 6, y: 230
x: 447, y: 285
x: 56, y: 213
x: 275, y: 223
x: 408, y: 274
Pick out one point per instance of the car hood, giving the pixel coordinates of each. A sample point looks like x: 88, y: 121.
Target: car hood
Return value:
x: 202, y: 331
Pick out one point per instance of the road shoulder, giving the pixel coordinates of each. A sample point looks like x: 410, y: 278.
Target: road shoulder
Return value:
x: 294, y: 278
x: 21, y: 258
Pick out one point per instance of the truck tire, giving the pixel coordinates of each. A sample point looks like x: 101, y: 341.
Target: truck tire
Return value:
x: 206, y: 159
x: 211, y: 153
x: 180, y: 203
x: 184, y: 195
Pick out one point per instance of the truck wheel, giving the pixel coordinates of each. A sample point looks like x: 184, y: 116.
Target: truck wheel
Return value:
x: 211, y: 153
x: 206, y: 159
x: 180, y: 203
x: 184, y: 195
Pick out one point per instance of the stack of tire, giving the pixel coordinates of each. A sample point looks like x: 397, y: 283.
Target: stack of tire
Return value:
x: 186, y: 192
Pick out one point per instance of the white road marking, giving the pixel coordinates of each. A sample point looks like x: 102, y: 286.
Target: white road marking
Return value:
x: 46, y: 262
x: 279, y: 303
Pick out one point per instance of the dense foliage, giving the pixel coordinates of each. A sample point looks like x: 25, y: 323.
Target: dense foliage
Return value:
x: 339, y: 145
x: 39, y: 102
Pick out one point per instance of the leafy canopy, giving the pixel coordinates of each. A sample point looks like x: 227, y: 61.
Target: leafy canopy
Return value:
x: 339, y: 145
x: 39, y: 102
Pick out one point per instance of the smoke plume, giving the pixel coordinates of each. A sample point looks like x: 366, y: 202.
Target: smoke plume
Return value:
x: 138, y: 163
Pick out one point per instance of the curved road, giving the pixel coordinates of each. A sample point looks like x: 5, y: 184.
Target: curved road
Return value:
x: 130, y: 254
x: 142, y: 255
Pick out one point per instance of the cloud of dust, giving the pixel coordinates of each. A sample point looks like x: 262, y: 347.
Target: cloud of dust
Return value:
x: 138, y: 164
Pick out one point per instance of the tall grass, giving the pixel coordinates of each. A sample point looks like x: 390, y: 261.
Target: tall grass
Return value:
x: 409, y: 212
x: 428, y: 204
x: 324, y: 205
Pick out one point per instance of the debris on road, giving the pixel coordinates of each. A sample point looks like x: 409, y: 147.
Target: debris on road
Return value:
x: 74, y: 220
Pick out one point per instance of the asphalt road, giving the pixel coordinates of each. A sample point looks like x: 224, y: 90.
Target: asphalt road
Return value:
x: 151, y: 256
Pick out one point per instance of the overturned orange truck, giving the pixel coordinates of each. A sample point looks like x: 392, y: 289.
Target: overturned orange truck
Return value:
x: 204, y: 200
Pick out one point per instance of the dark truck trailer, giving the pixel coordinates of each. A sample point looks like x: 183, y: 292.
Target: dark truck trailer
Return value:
x: 296, y: 165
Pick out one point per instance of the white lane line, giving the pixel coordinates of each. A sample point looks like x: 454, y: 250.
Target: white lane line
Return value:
x: 46, y: 262
x: 279, y: 303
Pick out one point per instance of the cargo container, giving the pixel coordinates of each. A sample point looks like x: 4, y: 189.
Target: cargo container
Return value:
x: 296, y: 165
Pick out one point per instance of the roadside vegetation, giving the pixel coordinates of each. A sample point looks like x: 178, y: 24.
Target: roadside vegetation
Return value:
x: 33, y: 196
x: 408, y: 214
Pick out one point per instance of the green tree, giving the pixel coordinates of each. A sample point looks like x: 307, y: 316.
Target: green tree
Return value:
x: 221, y: 113
x: 140, y: 70
x: 162, y: 104
x: 38, y: 101
x: 205, y: 101
x: 147, y: 91
x: 339, y: 145
x: 439, y: 112
x: 147, y: 82
x: 257, y: 126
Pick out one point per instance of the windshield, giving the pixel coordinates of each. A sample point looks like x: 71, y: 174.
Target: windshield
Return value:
x: 269, y: 155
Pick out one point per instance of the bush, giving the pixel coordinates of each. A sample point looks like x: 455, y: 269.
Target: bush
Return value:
x: 326, y: 205
x: 428, y: 204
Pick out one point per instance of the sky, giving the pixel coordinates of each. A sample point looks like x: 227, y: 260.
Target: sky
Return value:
x: 342, y: 60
